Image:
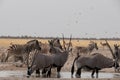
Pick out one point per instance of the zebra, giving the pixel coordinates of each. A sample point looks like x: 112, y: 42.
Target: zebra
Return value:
x: 87, y: 49
x: 53, y: 49
x: 22, y: 51
x: 94, y: 62
x: 45, y: 46
x: 56, y: 43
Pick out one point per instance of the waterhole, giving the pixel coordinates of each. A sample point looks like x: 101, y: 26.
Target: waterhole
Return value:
x: 23, y: 74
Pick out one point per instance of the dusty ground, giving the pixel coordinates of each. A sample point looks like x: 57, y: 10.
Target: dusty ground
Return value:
x: 67, y: 66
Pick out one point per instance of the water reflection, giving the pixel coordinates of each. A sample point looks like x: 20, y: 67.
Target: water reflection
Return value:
x: 23, y: 74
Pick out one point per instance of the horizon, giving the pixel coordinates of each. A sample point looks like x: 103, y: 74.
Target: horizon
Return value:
x: 50, y: 37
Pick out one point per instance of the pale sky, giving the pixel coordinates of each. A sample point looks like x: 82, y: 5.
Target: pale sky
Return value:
x: 81, y: 18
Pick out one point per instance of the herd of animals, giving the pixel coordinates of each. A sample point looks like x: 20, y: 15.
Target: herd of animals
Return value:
x: 38, y: 56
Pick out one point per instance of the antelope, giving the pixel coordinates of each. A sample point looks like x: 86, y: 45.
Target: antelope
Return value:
x: 115, y: 53
x: 40, y: 61
x: 59, y: 57
x: 94, y: 62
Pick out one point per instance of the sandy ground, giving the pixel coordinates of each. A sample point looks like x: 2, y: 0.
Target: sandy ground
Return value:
x: 67, y: 67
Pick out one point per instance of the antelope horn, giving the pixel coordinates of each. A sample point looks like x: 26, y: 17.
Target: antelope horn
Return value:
x: 63, y: 42
x: 69, y: 41
x: 110, y: 49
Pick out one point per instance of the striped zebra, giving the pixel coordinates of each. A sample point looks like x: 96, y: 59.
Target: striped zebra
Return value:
x: 56, y: 43
x: 45, y: 46
x: 88, y: 49
x: 21, y: 52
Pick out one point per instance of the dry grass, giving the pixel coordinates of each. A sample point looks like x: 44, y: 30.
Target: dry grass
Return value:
x: 6, y: 42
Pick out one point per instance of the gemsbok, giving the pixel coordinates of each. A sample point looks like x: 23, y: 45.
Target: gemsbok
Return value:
x: 59, y: 57
x: 94, y: 62
x: 40, y: 61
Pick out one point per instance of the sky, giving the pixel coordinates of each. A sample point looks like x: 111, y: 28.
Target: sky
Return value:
x: 51, y: 18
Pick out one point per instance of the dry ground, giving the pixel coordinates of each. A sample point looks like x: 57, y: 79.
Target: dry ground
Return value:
x: 4, y: 43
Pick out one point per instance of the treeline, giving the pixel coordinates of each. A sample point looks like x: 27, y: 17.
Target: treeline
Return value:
x: 34, y: 37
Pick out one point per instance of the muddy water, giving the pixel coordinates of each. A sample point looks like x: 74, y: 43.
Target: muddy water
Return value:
x: 22, y: 74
